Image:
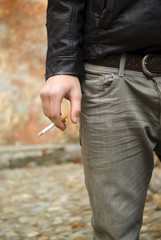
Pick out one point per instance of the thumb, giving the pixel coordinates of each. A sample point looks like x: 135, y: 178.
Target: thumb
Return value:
x: 75, y: 108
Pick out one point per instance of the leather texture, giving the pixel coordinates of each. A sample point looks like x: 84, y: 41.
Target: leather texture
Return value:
x: 78, y: 30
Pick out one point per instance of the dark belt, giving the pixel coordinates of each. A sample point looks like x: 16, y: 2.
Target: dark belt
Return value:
x: 149, y: 64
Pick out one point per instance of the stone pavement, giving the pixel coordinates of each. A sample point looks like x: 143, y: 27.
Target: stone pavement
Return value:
x: 51, y: 203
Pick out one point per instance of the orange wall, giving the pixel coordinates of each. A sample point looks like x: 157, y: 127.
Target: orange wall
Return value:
x: 22, y: 68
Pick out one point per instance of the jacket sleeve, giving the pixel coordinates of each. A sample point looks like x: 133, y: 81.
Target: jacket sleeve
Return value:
x: 65, y: 23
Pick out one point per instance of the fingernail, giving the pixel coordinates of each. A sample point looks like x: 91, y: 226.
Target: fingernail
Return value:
x: 75, y: 119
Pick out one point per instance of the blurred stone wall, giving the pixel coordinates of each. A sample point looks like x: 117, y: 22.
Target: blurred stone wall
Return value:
x: 22, y: 68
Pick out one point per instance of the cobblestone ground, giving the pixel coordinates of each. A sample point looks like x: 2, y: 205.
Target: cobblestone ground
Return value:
x: 51, y: 203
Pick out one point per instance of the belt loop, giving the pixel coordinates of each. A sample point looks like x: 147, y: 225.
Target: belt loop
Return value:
x: 122, y: 65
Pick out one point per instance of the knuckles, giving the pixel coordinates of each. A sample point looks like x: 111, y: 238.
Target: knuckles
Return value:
x: 43, y: 94
x: 48, y: 94
x: 53, y: 116
x: 76, y: 96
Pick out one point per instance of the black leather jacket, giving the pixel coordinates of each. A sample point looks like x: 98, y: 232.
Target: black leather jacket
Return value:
x: 92, y: 29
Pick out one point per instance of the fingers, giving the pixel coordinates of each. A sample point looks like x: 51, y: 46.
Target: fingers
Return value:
x: 51, y: 104
x: 55, y: 112
x: 75, y: 106
x: 55, y: 89
x: 45, y: 103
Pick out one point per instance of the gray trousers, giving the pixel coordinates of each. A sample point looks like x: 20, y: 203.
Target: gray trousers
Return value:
x: 120, y: 127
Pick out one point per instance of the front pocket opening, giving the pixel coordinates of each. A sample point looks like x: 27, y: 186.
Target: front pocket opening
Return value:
x: 107, y: 85
x: 107, y: 82
x: 99, y: 87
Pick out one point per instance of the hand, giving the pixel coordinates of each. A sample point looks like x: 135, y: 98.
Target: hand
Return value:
x: 55, y: 89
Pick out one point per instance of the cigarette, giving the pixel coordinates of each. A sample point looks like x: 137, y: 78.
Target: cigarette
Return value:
x: 50, y: 126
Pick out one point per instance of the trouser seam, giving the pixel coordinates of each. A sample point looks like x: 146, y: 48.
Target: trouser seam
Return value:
x: 159, y: 95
